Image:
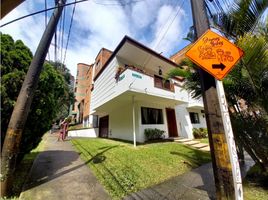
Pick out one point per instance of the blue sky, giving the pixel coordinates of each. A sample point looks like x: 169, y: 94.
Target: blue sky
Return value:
x: 159, y: 24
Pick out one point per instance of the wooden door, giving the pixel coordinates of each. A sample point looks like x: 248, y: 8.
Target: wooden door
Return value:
x: 104, y: 126
x: 171, y: 121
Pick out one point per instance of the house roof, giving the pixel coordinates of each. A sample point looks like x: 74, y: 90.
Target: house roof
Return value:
x: 129, y: 40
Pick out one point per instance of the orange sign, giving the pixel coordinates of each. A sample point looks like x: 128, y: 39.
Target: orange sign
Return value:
x: 215, y: 54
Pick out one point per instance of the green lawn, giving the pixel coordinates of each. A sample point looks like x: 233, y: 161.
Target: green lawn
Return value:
x: 203, y: 140
x: 253, y: 192
x: 122, y: 169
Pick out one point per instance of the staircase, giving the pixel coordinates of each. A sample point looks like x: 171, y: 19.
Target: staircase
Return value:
x: 192, y: 143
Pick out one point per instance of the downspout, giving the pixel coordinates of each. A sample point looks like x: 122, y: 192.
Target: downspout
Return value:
x: 133, y: 121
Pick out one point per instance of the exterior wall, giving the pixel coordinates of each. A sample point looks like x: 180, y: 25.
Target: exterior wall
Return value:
x: 139, y: 82
x: 120, y: 123
x: 80, y: 85
x: 201, y: 116
x: 101, y: 59
x: 183, y: 117
x: 87, y: 97
x: 142, y: 127
x: 104, y: 86
x: 91, y: 133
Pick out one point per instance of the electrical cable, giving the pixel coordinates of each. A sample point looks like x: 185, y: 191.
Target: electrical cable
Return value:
x: 69, y: 33
x: 41, y: 11
x: 169, y: 25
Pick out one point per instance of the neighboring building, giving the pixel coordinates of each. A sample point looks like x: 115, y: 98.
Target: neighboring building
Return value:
x: 81, y: 85
x: 87, y: 98
x: 130, y: 94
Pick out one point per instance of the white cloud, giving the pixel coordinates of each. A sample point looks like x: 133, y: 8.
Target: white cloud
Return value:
x: 96, y: 26
x: 168, y: 28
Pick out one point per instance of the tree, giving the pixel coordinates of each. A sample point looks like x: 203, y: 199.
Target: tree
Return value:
x: 248, y: 80
x: 51, y: 95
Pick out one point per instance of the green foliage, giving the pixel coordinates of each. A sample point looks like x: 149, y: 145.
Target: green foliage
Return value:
x: 253, y: 137
x: 240, y: 18
x: 123, y: 169
x: 200, y: 133
x: 153, y: 134
x: 192, y: 83
x: 51, y: 95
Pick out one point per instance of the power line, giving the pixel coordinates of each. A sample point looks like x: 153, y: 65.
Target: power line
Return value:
x: 169, y: 25
x: 116, y: 4
x: 69, y: 33
x: 41, y: 11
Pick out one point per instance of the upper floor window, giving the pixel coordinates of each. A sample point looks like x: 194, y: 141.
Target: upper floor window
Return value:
x: 98, y: 64
x: 159, y: 82
x: 194, y: 118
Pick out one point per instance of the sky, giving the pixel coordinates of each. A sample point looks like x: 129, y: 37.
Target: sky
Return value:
x: 158, y: 24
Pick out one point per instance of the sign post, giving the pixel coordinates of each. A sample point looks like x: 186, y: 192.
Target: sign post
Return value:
x: 217, y: 56
x: 230, y: 141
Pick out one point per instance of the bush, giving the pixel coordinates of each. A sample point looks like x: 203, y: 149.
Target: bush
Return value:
x: 153, y: 134
x: 200, y: 133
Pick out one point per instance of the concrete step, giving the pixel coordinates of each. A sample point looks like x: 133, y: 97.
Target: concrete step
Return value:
x: 192, y: 142
x: 205, y: 148
x: 182, y: 140
x: 199, y: 145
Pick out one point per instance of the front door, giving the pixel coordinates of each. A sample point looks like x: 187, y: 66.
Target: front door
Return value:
x: 171, y: 121
x: 104, y: 126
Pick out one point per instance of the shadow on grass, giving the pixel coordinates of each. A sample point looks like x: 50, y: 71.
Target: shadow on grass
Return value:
x: 98, y: 155
x: 49, y: 164
x: 204, y: 173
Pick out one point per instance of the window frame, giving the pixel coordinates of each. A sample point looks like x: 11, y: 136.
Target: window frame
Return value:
x: 194, y: 117
x: 154, y: 116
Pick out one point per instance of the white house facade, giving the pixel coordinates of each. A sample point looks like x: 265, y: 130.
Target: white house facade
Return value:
x: 130, y: 94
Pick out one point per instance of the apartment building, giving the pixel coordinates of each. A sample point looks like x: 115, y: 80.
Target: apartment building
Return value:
x: 84, y: 71
x: 130, y: 94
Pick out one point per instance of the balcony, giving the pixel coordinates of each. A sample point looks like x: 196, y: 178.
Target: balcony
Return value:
x: 130, y: 78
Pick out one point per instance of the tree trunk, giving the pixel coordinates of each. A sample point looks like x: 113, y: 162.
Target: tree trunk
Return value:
x: 22, y: 107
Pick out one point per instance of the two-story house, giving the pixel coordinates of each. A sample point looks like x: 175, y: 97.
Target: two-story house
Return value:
x: 130, y: 93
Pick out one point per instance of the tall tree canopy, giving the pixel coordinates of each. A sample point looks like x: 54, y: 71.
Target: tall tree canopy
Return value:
x: 52, y: 95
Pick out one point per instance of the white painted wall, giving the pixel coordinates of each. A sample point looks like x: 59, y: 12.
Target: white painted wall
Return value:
x: 120, y: 123
x: 183, y: 119
x: 142, y: 127
x: 91, y: 133
x: 201, y: 116
x: 104, y: 86
x: 145, y: 84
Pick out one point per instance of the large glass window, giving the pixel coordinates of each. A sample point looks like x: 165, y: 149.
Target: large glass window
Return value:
x: 151, y: 116
x: 194, y: 118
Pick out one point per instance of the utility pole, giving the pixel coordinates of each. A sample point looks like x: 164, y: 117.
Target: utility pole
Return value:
x: 22, y: 107
x: 219, y: 150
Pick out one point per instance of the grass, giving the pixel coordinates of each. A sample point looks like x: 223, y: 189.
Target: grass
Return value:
x: 254, y: 192
x: 203, y: 140
x: 123, y: 169
x: 22, y: 171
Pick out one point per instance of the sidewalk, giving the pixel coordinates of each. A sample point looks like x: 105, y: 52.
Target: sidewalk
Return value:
x: 197, y: 184
x: 58, y: 173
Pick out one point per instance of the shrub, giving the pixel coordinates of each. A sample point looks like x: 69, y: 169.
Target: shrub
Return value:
x: 153, y: 134
x: 200, y: 133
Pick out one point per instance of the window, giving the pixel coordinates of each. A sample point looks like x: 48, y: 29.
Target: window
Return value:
x: 194, y: 118
x: 151, y: 116
x: 159, y: 82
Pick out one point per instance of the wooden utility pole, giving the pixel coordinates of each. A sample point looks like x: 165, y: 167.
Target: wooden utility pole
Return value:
x: 22, y: 107
x: 218, y: 146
